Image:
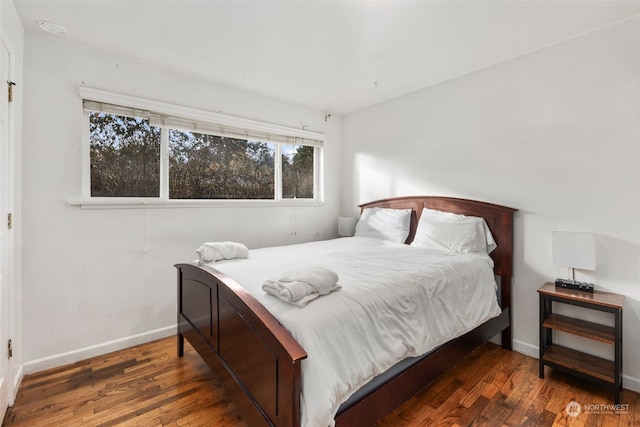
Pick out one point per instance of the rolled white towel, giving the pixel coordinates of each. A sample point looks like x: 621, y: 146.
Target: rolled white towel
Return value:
x: 299, y: 287
x: 216, y: 251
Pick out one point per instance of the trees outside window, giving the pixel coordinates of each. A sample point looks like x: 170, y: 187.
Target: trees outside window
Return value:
x: 126, y: 156
x: 205, y: 166
x: 297, y: 171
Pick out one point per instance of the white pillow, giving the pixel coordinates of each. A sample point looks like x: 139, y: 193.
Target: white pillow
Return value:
x: 384, y: 224
x: 453, y: 232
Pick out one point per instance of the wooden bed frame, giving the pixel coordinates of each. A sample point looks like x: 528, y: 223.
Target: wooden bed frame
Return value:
x: 258, y: 361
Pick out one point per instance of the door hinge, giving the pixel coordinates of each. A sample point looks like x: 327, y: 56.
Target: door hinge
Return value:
x: 10, y: 90
x: 10, y: 349
x: 10, y: 221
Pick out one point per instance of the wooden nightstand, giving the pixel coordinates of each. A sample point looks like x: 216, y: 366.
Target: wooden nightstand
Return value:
x: 587, y: 366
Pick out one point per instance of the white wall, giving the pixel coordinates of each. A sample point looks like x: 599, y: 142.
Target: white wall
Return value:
x: 554, y: 133
x: 87, y: 287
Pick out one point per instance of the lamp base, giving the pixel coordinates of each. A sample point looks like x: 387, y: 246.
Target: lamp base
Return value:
x: 574, y: 285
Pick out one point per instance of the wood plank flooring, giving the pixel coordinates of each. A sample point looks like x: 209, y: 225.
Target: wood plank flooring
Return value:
x: 148, y: 385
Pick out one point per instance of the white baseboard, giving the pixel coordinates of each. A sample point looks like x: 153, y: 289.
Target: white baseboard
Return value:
x: 17, y: 380
x: 628, y: 382
x: 96, y: 350
x: 526, y: 348
x: 631, y: 383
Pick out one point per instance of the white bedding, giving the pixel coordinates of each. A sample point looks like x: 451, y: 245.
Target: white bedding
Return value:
x: 396, y: 301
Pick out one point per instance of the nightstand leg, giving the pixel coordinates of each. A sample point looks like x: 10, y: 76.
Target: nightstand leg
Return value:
x: 542, y: 335
x: 618, y: 358
x: 180, y: 345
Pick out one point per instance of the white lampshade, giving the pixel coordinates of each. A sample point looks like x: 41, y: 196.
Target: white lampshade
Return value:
x: 346, y: 226
x: 574, y: 249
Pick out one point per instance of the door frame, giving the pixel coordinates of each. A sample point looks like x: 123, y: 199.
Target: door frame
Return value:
x: 7, y: 241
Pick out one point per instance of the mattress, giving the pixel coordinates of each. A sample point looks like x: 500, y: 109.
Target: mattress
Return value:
x: 396, y: 301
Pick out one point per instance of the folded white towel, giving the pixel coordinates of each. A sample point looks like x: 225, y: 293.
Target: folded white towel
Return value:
x: 299, y: 287
x: 216, y: 251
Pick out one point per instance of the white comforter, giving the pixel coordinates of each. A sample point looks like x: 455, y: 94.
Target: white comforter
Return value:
x: 396, y: 301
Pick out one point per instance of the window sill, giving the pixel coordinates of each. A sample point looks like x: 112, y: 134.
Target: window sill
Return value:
x: 135, y: 203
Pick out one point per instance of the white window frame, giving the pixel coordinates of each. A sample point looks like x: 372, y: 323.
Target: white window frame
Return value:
x: 196, y: 116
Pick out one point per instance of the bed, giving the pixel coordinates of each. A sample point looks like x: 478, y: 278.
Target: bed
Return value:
x: 254, y: 349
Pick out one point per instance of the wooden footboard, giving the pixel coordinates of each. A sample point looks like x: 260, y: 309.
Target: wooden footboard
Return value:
x: 255, y: 358
x: 259, y: 362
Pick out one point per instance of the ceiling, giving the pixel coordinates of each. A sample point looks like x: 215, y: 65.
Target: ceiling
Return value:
x: 337, y: 56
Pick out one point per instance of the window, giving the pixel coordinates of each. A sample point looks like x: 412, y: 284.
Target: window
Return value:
x: 125, y: 156
x: 139, y: 153
x: 297, y: 171
x: 204, y: 166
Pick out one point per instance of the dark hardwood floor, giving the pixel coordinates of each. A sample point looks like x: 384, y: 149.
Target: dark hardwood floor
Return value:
x: 148, y: 385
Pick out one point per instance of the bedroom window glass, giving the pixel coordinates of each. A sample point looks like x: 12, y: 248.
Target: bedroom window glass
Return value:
x: 297, y: 171
x: 125, y: 156
x: 169, y: 156
x: 204, y: 166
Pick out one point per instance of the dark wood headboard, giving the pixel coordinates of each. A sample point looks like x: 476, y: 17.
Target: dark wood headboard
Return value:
x: 498, y: 218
